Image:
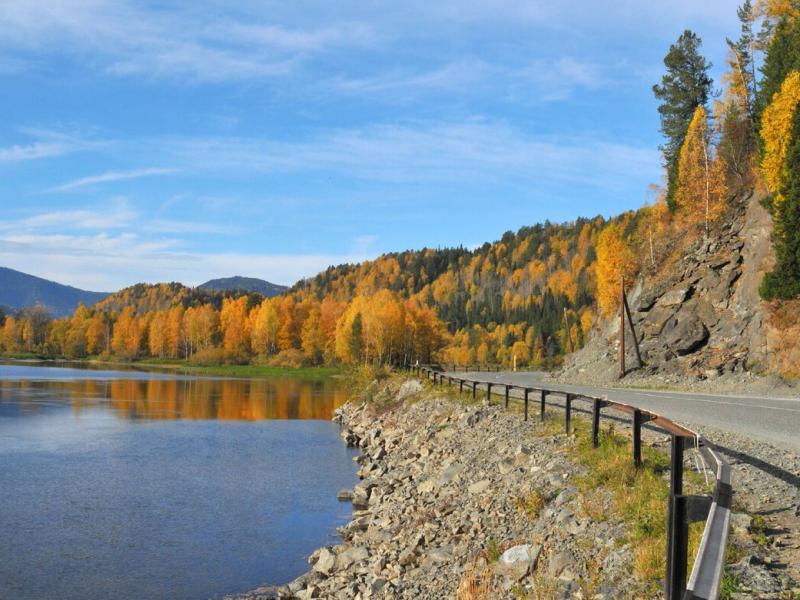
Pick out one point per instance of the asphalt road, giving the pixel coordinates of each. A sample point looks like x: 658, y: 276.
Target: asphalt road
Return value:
x: 775, y: 420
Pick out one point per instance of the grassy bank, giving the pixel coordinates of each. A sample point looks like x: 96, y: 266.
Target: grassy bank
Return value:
x: 184, y: 367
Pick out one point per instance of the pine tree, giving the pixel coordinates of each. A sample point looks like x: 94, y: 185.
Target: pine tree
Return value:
x: 782, y: 57
x: 784, y: 281
x: 685, y: 86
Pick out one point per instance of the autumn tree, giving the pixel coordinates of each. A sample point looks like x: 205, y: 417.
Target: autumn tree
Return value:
x: 784, y: 281
x: 235, y: 326
x: 776, y: 127
x: 615, y: 260
x: 311, y: 340
x: 735, y: 113
x: 685, y: 86
x: 700, y: 192
x: 264, y: 333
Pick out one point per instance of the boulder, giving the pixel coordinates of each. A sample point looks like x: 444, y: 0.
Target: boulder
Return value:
x: 326, y: 562
x: 685, y: 334
x: 516, y: 562
x: 409, y: 388
x: 674, y: 297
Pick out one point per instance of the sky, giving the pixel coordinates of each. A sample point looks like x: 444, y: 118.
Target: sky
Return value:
x: 182, y: 141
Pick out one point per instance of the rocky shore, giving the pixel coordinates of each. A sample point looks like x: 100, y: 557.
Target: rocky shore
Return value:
x: 464, y: 501
x: 469, y: 501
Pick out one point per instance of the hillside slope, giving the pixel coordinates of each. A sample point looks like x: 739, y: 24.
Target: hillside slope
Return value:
x: 246, y: 284
x: 19, y: 290
x: 699, y: 314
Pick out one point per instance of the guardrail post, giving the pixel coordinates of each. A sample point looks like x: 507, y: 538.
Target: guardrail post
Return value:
x: 677, y: 527
x: 526, y: 403
x: 474, y: 390
x: 488, y: 393
x: 567, y: 413
x: 460, y: 386
x: 637, y: 438
x: 542, y: 405
x: 508, y: 387
x: 596, y: 423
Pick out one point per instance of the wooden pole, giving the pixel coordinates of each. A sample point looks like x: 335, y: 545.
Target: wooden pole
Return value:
x: 621, y: 327
x: 633, y: 331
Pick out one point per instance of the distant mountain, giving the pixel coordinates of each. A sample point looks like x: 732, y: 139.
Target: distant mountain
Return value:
x: 247, y: 284
x: 20, y: 290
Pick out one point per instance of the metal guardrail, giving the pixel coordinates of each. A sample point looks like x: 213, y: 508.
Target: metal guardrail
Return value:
x: 706, y: 576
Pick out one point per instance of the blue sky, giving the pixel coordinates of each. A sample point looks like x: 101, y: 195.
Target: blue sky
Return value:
x: 158, y: 141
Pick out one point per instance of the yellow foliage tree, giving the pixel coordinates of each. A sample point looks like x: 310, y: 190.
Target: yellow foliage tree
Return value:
x: 701, y: 189
x: 615, y: 259
x: 776, y: 127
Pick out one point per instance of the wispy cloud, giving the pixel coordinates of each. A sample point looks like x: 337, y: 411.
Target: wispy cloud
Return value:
x: 128, y: 39
x: 473, y: 151
x: 109, y: 177
x: 115, y: 214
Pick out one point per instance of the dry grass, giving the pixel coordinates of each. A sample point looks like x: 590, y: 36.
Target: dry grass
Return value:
x: 782, y: 334
x: 477, y: 585
x: 531, y: 503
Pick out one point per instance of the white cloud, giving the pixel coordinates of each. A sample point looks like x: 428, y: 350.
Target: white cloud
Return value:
x: 110, y: 176
x: 116, y: 214
x: 200, y: 45
x: 475, y: 151
x: 121, y: 260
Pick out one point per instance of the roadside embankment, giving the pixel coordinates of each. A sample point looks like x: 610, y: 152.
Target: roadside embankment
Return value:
x: 463, y: 500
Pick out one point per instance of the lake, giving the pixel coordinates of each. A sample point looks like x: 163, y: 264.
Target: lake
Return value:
x: 139, y: 485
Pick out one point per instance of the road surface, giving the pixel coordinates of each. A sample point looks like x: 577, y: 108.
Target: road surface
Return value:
x: 774, y: 420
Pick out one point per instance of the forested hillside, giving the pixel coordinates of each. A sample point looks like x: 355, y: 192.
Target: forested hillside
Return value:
x: 527, y: 296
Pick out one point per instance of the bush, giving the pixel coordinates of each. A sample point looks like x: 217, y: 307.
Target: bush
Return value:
x: 291, y: 358
x: 209, y: 357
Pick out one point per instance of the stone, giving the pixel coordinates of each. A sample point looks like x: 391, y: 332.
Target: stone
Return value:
x: 479, y: 487
x: 350, y: 556
x: 451, y: 473
x: 326, y: 563
x: 516, y: 562
x: 344, y: 495
x: 558, y: 563
x: 409, y: 388
x: 674, y: 297
x: 741, y: 523
x: 685, y: 335
x: 426, y: 487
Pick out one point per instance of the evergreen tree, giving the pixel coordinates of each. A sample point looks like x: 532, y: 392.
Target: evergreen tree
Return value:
x: 685, y: 86
x: 782, y: 57
x: 784, y: 281
x: 357, y: 337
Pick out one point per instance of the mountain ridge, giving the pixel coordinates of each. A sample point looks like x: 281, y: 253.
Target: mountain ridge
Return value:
x: 20, y: 290
x: 247, y: 284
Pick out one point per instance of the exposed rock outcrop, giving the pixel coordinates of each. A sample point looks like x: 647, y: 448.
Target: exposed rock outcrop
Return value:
x: 701, y: 315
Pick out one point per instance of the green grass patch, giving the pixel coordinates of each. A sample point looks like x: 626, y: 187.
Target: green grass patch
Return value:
x: 639, y: 496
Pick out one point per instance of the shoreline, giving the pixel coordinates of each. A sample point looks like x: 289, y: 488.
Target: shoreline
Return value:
x: 185, y: 368
x: 458, y: 497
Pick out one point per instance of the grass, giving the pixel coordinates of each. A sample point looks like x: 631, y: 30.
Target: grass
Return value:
x: 531, y: 504
x: 637, y: 496
x: 185, y: 367
x: 249, y: 371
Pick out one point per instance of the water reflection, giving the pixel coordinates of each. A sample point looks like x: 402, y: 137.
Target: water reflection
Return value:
x: 222, y: 399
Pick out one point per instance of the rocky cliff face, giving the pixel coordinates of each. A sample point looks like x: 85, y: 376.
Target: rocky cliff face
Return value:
x: 701, y: 315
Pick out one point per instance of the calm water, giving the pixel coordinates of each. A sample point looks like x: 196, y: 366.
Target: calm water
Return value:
x: 120, y: 485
